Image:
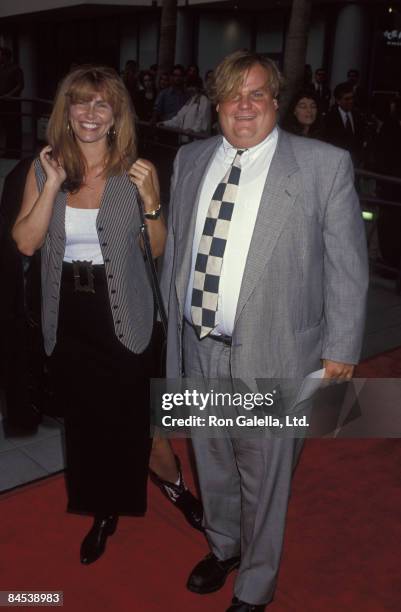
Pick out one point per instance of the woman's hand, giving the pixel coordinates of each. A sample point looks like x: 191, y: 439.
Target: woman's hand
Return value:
x: 144, y: 175
x: 55, y: 173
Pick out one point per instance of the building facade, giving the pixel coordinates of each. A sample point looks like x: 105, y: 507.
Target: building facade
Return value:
x: 48, y: 36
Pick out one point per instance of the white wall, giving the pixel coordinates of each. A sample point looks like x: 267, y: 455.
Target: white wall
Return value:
x: 148, y: 41
x: 269, y: 37
x: 351, y: 42
x: 128, y: 43
x: 220, y: 34
x: 184, y: 38
x: 315, y: 48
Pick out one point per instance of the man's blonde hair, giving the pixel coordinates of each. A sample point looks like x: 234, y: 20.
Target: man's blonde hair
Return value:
x: 230, y: 73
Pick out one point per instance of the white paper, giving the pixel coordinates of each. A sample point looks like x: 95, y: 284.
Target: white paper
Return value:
x: 310, y: 385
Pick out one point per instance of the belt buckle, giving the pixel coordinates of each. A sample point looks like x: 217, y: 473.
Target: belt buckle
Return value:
x: 85, y: 268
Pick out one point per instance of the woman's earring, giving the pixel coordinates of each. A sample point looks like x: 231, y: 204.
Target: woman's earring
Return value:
x: 69, y: 129
x: 111, y: 134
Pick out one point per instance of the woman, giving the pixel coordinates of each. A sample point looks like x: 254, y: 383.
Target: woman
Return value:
x: 303, y: 117
x: 80, y: 206
x: 146, y: 97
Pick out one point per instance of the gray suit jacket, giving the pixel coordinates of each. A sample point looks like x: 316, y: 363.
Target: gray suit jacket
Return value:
x: 303, y: 292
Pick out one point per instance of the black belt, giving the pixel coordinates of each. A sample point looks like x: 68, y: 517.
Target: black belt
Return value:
x: 83, y: 274
x: 223, y: 338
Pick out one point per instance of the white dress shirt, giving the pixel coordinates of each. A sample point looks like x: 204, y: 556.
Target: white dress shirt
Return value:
x: 255, y: 164
x: 195, y: 115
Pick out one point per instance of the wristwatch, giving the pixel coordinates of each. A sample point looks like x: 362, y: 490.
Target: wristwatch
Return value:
x: 153, y: 214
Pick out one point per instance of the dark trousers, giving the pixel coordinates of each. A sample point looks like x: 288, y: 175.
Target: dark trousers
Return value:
x: 102, y: 391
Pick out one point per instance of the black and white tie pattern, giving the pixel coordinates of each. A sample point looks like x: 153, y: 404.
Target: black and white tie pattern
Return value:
x: 209, y: 259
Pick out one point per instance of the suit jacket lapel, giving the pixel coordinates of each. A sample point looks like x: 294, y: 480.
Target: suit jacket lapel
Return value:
x: 188, y: 191
x: 278, y: 197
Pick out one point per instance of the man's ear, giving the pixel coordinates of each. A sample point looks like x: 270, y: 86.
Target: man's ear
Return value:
x: 275, y: 102
x: 217, y: 107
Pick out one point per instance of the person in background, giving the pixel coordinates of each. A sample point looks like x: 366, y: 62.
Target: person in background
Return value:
x: 11, y: 85
x: 303, y: 116
x: 163, y: 82
x: 360, y: 95
x: 130, y: 76
x: 195, y: 115
x: 344, y: 126
x: 208, y: 78
x: 153, y: 71
x: 172, y: 99
x: 322, y: 90
x: 146, y: 96
x: 192, y: 75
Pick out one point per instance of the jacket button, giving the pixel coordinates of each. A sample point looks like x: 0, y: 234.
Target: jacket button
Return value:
x: 121, y: 335
x: 115, y: 306
x: 100, y: 229
x: 104, y: 243
x: 118, y: 322
x: 107, y: 260
x: 113, y: 291
x: 111, y: 276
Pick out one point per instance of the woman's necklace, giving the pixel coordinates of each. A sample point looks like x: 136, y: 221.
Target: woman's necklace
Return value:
x: 95, y: 176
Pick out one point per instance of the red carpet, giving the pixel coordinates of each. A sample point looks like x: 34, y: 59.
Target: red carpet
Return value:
x: 341, y: 553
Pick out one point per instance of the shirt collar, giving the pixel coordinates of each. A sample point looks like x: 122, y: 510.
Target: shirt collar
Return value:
x: 343, y: 113
x: 252, y: 152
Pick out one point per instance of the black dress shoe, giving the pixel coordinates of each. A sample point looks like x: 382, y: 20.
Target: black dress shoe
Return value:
x: 94, y: 543
x: 181, y: 497
x: 241, y: 606
x: 210, y: 574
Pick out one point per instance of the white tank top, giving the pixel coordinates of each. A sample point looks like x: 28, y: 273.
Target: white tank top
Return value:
x: 82, y: 242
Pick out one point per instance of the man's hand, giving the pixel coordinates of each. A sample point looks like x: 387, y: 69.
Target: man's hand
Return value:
x: 340, y: 371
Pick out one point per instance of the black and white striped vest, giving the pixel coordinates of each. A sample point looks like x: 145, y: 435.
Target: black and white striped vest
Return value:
x: 129, y: 288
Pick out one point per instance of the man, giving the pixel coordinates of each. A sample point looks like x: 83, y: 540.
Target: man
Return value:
x: 171, y: 99
x: 360, y: 96
x: 344, y: 125
x: 322, y: 90
x: 285, y: 265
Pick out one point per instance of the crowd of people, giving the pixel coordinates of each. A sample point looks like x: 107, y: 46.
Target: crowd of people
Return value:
x: 343, y: 117
x: 176, y: 99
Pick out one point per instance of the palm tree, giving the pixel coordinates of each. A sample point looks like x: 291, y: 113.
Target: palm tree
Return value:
x: 168, y: 28
x: 295, y: 50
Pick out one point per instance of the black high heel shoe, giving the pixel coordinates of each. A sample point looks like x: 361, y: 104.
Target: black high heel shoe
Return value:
x: 181, y: 497
x: 94, y: 543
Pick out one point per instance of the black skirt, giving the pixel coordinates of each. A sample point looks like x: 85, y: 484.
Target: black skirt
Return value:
x: 104, y: 391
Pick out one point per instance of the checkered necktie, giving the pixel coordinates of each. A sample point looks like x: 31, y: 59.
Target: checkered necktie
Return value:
x: 209, y: 259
